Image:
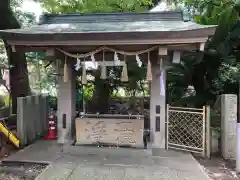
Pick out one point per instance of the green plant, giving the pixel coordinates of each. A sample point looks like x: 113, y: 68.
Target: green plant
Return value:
x: 53, y: 102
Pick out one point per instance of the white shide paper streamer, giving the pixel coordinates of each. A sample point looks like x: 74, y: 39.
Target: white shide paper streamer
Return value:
x: 116, y: 59
x: 78, y: 64
x: 139, y: 62
x: 162, y: 84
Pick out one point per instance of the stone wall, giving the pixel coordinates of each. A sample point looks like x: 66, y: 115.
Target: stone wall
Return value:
x: 32, y: 121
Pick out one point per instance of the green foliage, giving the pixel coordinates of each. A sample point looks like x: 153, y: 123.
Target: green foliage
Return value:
x: 53, y: 102
x: 24, y: 18
x: 214, y: 73
x: 7, y: 100
x: 41, y: 73
x: 88, y: 91
x: 2, y: 101
x: 95, y: 6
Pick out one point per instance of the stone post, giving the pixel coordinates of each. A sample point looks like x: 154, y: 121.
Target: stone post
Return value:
x: 228, y: 125
x: 238, y: 148
x: 44, y: 112
x: 157, y: 106
x: 21, y: 128
x: 38, y: 124
x: 66, y: 102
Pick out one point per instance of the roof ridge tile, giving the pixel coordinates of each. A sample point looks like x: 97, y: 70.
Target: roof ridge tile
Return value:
x: 111, y: 17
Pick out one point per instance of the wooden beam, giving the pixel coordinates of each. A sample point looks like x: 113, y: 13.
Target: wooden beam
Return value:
x: 167, y: 41
x: 50, y: 52
x: 162, y: 51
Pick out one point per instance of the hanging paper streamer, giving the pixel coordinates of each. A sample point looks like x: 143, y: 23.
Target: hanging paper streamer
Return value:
x: 162, y: 84
x: 124, y: 75
x: 84, y: 74
x: 139, y: 62
x: 65, y: 71
x: 116, y: 59
x: 149, y: 69
x: 94, y: 61
x: 103, y: 68
x: 78, y: 64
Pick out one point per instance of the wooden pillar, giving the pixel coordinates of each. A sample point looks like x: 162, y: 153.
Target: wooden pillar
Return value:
x: 66, y: 102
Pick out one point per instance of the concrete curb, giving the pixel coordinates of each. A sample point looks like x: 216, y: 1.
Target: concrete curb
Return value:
x: 9, y: 162
x: 202, y: 169
x: 14, y: 163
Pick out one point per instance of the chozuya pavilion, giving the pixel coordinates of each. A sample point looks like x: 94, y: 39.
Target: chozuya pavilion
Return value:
x: 152, y: 39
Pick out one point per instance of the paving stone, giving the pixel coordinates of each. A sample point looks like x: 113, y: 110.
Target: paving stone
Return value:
x: 90, y: 172
x: 91, y: 163
x: 113, y: 173
x: 150, y: 174
x: 83, y: 172
x: 57, y: 172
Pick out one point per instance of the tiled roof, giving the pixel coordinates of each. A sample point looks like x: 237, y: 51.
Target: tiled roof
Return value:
x: 137, y: 26
x: 111, y: 17
x: 110, y: 22
x: 81, y: 24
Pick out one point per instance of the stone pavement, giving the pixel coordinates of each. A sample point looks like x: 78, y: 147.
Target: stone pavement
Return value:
x: 92, y: 163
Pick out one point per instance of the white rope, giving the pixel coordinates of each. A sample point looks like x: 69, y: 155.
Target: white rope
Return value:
x: 105, y: 48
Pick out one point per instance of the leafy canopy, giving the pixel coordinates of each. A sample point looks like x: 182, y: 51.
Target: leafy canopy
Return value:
x: 94, y: 6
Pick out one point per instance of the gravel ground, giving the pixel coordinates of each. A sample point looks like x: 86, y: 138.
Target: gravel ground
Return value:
x: 20, y: 172
x: 219, y: 169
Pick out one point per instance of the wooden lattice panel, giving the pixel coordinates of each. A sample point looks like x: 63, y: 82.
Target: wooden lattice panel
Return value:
x: 186, y: 129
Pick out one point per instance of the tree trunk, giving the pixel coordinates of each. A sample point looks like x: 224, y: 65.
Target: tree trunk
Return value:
x: 19, y: 83
x: 101, y: 94
x: 101, y: 97
x: 18, y: 76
